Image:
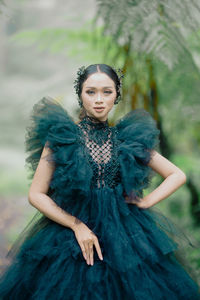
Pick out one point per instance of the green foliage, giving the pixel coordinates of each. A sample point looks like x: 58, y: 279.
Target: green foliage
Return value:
x: 87, y: 42
x: 13, y: 183
x: 158, y: 28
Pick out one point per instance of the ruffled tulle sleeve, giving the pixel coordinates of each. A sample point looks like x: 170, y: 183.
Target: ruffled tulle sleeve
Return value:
x: 139, y: 136
x: 51, y: 126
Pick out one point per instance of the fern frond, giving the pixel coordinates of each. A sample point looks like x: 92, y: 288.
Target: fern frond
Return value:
x: 160, y: 28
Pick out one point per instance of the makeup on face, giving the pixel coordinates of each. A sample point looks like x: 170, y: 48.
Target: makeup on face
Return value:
x: 98, y: 95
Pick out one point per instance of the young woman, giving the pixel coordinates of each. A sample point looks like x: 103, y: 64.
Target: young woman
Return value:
x: 95, y: 235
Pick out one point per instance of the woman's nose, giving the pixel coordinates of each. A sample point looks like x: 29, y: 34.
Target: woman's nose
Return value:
x: 99, y: 97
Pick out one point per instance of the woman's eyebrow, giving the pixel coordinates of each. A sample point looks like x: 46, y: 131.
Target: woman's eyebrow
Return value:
x: 95, y: 88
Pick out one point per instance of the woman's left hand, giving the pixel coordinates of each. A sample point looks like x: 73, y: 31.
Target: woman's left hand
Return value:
x: 141, y: 202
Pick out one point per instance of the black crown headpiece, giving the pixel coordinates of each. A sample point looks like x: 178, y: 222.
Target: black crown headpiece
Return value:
x: 81, y: 72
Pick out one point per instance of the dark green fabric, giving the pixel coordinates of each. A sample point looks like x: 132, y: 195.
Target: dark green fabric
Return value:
x: 96, y: 166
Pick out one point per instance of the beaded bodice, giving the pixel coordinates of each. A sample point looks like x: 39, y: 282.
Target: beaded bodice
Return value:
x: 100, y: 144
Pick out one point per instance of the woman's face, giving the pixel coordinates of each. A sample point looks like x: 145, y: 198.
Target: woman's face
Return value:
x: 98, y: 91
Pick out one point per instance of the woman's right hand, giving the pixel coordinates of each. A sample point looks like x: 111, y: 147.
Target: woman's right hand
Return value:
x: 87, y: 239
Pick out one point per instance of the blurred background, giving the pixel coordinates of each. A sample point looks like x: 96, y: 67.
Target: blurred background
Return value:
x: 157, y: 44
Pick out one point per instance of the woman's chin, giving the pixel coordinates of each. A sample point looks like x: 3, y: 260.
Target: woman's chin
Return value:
x: 101, y: 115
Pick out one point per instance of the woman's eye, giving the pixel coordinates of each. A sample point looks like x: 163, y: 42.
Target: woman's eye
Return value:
x: 108, y: 92
x: 90, y: 92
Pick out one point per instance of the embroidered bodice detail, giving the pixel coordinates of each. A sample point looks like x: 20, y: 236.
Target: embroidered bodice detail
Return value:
x: 101, y: 151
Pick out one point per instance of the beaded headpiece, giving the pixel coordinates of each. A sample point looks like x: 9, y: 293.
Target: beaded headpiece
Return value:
x: 81, y: 72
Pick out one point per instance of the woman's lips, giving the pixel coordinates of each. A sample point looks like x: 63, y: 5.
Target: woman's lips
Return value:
x: 99, y: 109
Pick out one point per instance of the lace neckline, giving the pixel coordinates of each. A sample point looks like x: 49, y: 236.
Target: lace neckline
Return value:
x: 92, y: 121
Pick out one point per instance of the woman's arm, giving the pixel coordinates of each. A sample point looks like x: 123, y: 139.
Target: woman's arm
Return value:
x: 37, y: 194
x: 173, y: 179
x: 38, y: 198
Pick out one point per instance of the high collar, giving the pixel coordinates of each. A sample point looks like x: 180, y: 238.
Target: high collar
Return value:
x: 94, y: 122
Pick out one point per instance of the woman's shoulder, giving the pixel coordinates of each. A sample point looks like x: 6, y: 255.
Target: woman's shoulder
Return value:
x: 136, y: 117
x: 50, y: 120
x: 49, y: 125
x: 138, y: 134
x: 51, y: 111
x: 138, y: 125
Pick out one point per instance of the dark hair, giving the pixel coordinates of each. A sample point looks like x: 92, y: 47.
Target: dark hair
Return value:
x: 94, y: 68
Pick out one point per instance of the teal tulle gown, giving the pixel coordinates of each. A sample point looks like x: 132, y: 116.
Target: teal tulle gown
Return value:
x: 97, y: 167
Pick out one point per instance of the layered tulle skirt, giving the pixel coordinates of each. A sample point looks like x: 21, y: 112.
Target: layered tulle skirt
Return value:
x: 140, y: 250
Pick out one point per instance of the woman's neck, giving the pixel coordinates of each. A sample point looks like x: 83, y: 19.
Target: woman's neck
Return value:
x: 95, y: 120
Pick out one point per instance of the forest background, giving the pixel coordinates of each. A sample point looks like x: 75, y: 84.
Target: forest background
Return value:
x: 156, y: 43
